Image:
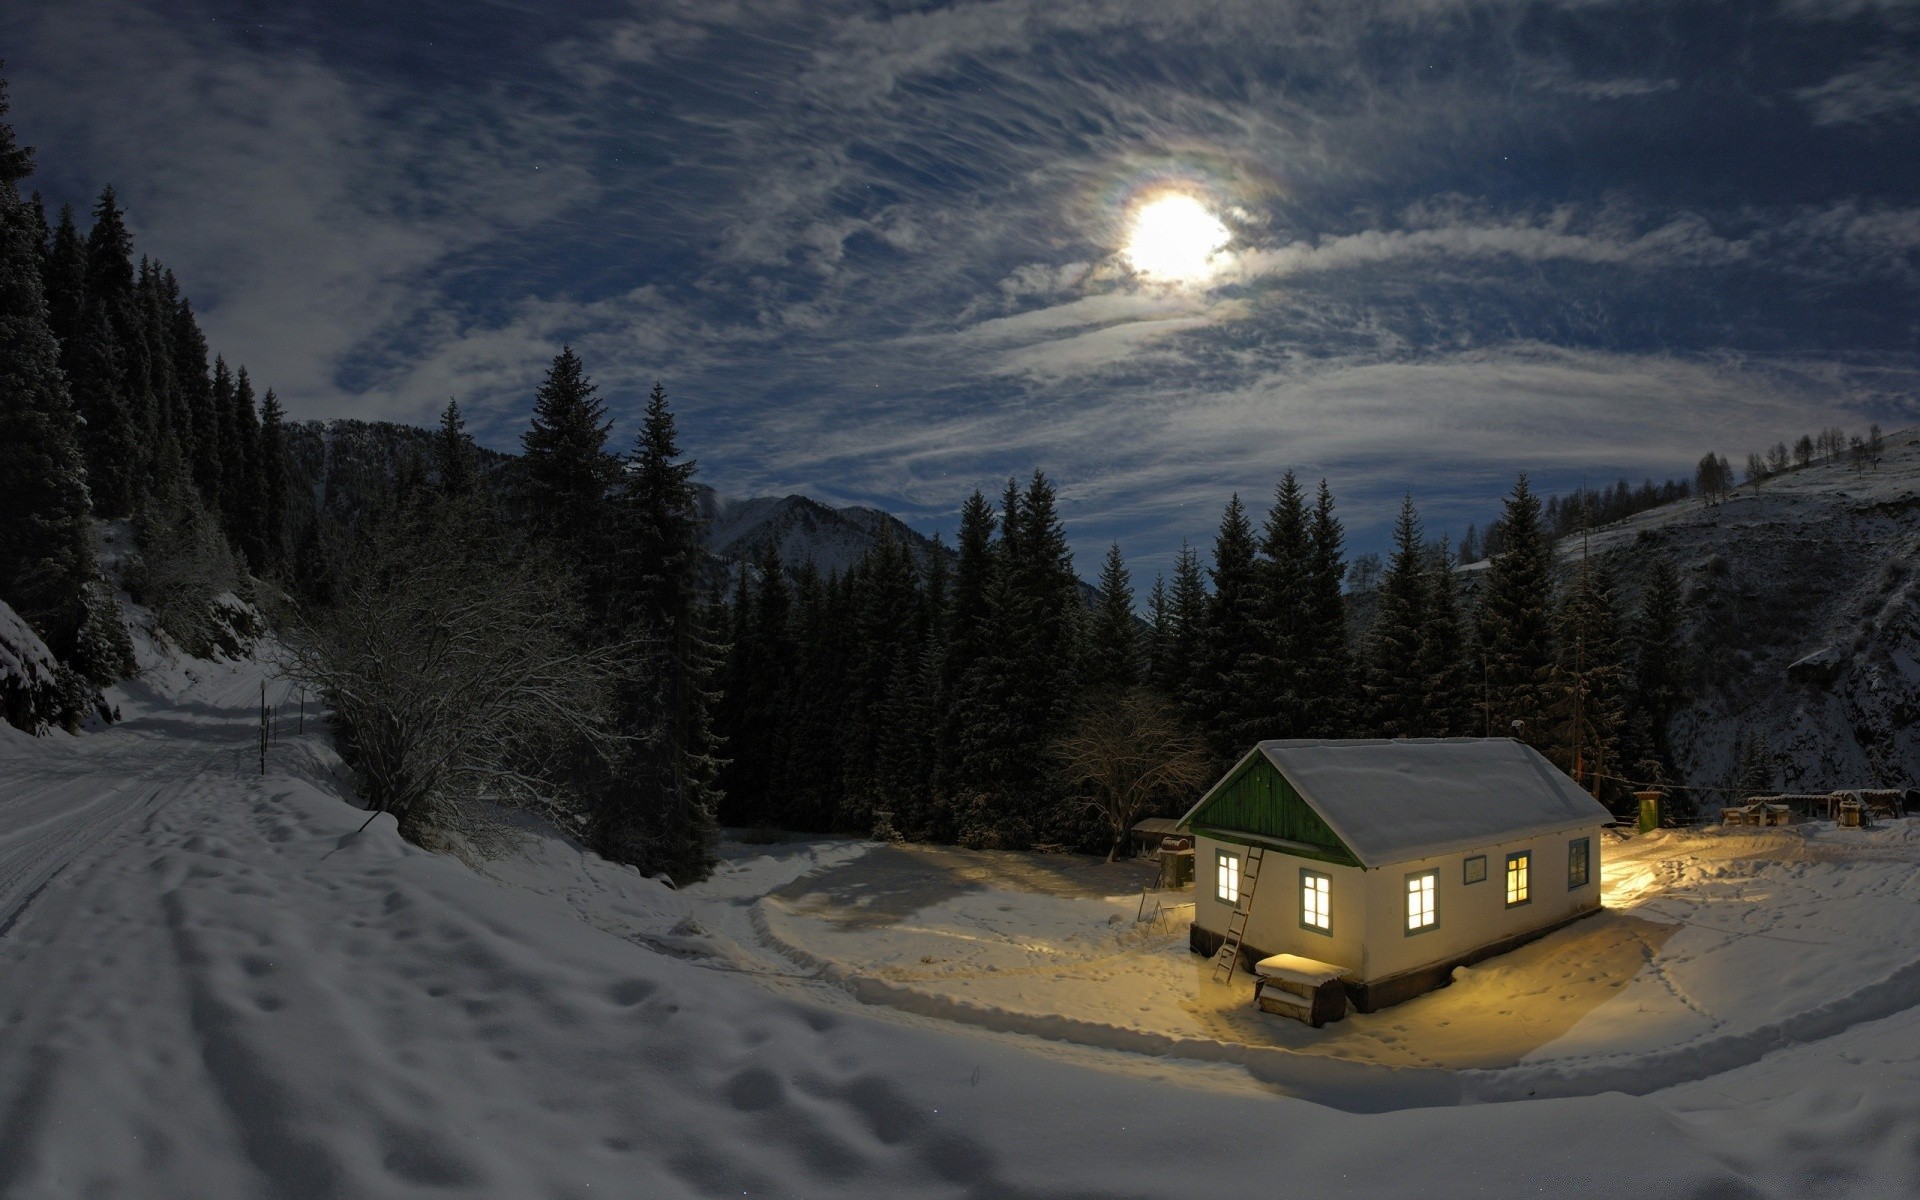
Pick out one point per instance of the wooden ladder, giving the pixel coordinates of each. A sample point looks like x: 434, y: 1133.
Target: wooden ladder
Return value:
x: 1228, y: 956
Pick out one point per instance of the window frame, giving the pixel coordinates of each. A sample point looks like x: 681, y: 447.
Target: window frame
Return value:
x: 1326, y: 897
x: 1406, y: 910
x: 1467, y: 878
x: 1222, y: 857
x: 1585, y: 845
x: 1525, y: 859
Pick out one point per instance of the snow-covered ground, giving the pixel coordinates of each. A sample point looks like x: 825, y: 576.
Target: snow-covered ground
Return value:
x: 211, y: 986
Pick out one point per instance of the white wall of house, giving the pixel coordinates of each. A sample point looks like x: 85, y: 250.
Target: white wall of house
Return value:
x: 1274, y: 924
x: 1471, y: 915
x: 1368, y: 908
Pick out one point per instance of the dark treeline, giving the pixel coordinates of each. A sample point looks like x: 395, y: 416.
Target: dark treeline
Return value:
x: 1581, y: 509
x: 110, y: 408
x: 908, y: 699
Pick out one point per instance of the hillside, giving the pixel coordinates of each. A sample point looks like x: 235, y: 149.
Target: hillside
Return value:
x: 803, y: 530
x: 1803, y: 619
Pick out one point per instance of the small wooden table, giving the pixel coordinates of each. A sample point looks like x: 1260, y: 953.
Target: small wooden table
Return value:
x: 1302, y: 988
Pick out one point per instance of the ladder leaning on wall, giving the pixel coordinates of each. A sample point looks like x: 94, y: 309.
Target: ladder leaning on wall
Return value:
x: 1227, y: 957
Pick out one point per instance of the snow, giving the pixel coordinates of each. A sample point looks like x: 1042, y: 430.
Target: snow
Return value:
x: 1397, y: 800
x: 25, y: 661
x: 211, y: 986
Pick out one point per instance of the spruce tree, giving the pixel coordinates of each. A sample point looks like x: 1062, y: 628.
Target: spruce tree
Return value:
x: 1590, y: 678
x: 1442, y: 665
x: 1394, y: 688
x: 1184, y: 661
x: 46, y: 548
x: 662, y: 811
x: 204, y: 418
x: 1659, y: 662
x: 244, y: 479
x: 1516, y: 623
x: 1113, y: 639
x: 1224, y: 694
x: 1326, y: 667
x: 455, y: 456
x: 969, y: 633
x: 115, y: 320
x: 66, y: 279
x: 1159, y: 631
x: 274, y: 483
x: 1277, y: 677
x: 568, y: 471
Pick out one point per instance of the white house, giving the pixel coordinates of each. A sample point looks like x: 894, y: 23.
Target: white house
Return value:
x: 1396, y: 860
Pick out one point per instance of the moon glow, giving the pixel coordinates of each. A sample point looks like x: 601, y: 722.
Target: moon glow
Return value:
x: 1174, y: 239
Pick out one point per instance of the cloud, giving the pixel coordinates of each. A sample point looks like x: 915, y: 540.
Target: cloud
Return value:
x: 1887, y: 84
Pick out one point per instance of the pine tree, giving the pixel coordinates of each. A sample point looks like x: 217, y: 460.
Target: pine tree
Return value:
x: 66, y: 279
x: 204, y: 417
x: 662, y: 813
x: 1442, y: 663
x: 244, y: 479
x: 970, y: 630
x: 1225, y: 691
x: 1278, y: 669
x: 1113, y: 641
x: 1159, y: 642
x: 454, y: 452
x: 1186, y: 644
x: 1516, y: 623
x: 1395, y: 689
x: 125, y: 404
x: 1326, y: 666
x: 883, y: 672
x: 568, y: 471
x: 1659, y: 662
x: 273, y: 483
x: 46, y: 548
x: 1590, y: 678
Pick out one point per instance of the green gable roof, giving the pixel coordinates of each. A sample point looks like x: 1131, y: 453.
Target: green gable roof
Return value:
x: 1255, y: 802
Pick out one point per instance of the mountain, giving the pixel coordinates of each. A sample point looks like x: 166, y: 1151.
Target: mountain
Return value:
x: 833, y: 539
x: 1803, y: 619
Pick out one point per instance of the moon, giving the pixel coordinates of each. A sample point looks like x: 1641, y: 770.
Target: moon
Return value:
x: 1174, y: 239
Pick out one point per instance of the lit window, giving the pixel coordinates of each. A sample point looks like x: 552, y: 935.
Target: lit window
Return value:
x: 1423, y: 912
x: 1474, y: 870
x: 1315, y: 911
x: 1579, y: 863
x: 1519, y: 877
x: 1227, y: 875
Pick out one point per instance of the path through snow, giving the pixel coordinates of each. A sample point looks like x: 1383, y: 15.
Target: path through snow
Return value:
x: 226, y: 992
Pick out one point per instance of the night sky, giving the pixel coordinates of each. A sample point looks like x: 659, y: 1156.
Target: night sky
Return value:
x: 878, y: 251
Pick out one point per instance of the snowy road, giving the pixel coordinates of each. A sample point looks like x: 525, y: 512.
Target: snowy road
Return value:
x: 220, y: 990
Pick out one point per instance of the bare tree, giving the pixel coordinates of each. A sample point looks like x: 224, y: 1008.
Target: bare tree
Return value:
x: 1128, y: 752
x: 454, y: 674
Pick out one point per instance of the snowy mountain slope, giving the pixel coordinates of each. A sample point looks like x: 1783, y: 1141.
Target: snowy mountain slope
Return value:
x: 803, y: 530
x: 1804, y: 619
x: 228, y: 992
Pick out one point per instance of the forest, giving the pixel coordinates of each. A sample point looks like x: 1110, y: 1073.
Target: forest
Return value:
x: 545, y: 629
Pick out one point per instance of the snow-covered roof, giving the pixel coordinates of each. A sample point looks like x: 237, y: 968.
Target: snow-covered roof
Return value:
x: 1395, y: 800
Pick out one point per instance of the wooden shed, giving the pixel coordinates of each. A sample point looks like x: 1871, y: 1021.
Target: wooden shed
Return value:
x: 1396, y: 860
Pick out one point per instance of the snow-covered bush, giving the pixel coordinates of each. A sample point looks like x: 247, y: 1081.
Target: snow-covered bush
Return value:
x: 455, y: 675
x: 30, y: 691
x: 192, y: 581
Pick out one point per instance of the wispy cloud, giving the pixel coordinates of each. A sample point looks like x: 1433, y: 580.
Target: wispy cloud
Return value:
x: 873, y: 250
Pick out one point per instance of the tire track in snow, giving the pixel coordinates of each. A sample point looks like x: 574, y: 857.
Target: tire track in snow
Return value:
x: 29, y: 863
